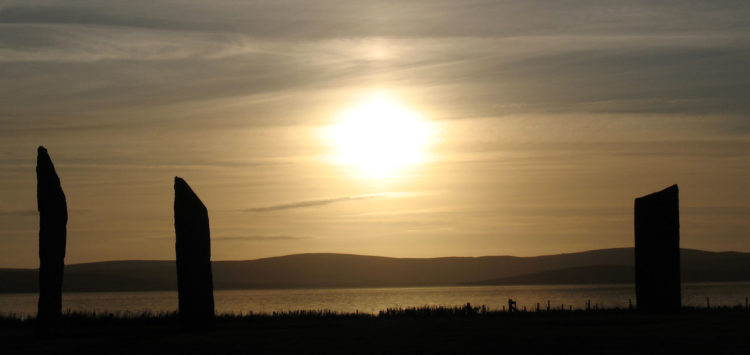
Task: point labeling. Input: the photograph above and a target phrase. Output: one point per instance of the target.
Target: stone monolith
(657, 251)
(53, 218)
(193, 249)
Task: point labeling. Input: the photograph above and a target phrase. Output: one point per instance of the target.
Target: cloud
(163, 77)
(19, 213)
(258, 64)
(329, 18)
(216, 238)
(738, 211)
(311, 203)
(259, 238)
(323, 202)
(86, 43)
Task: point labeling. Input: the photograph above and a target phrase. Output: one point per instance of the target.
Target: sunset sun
(379, 136)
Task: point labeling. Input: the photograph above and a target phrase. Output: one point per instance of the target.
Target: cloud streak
(312, 203)
(259, 238)
(19, 213)
(328, 201)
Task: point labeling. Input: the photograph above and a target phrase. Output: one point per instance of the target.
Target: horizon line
(376, 256)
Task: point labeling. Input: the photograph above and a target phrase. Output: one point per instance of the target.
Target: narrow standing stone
(657, 251)
(193, 249)
(53, 218)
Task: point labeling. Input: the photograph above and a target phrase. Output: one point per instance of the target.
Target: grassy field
(416, 330)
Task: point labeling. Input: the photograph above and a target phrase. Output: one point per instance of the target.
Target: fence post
(512, 305)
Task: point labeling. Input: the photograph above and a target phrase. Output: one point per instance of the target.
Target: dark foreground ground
(410, 331)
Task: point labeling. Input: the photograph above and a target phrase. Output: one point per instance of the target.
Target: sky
(393, 128)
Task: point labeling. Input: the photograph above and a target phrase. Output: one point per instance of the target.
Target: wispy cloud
(98, 60)
(328, 201)
(259, 238)
(311, 203)
(220, 238)
(18, 213)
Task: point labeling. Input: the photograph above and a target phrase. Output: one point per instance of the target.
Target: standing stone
(53, 218)
(193, 247)
(657, 251)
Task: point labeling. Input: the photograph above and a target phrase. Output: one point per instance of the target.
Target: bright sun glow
(379, 137)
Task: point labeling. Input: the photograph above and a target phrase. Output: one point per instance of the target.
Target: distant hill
(593, 274)
(609, 274)
(344, 270)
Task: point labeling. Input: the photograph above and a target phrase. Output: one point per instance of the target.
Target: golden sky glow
(406, 129)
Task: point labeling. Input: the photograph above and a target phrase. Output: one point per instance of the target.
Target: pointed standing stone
(193, 248)
(657, 251)
(53, 218)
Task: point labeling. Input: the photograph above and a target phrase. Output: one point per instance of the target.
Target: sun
(379, 137)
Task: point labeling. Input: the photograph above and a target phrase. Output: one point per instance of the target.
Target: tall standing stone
(193, 248)
(53, 218)
(657, 251)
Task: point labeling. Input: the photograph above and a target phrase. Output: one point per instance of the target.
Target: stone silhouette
(193, 249)
(53, 218)
(657, 251)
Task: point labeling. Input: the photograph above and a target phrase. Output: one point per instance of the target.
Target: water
(372, 300)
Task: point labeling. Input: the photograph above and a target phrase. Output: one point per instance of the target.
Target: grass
(465, 329)
(70, 318)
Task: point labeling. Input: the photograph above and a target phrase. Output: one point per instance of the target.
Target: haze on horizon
(521, 127)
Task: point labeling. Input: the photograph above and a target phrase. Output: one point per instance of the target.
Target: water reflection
(371, 300)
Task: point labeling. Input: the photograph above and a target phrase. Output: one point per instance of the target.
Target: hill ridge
(326, 270)
(729, 252)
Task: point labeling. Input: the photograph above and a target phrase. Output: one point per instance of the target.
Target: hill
(345, 270)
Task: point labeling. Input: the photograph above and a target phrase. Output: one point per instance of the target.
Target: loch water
(372, 300)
